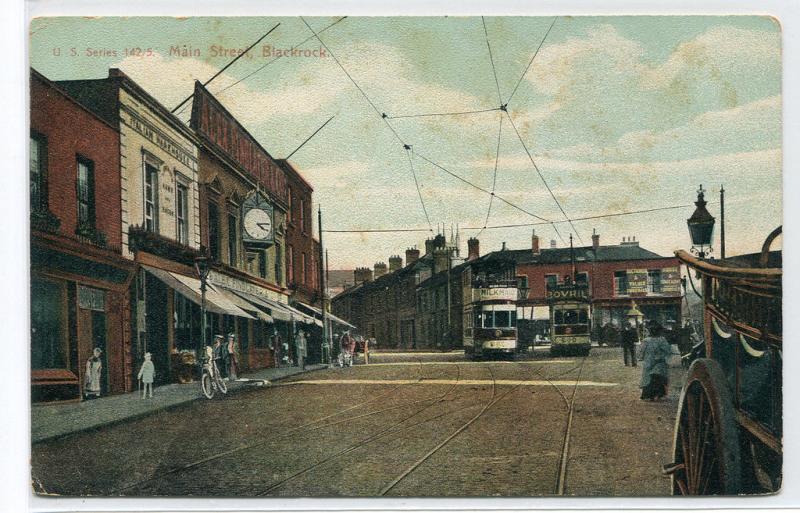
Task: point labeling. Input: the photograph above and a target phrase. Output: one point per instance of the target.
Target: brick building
(302, 249)
(79, 278)
(159, 219)
(238, 175)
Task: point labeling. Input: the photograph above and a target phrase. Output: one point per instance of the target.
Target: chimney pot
(412, 255)
(553, 244)
(595, 240)
(535, 243)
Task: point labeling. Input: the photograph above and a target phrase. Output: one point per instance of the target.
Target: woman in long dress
(654, 353)
(94, 370)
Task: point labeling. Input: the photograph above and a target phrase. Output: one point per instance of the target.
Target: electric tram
(490, 311)
(570, 319)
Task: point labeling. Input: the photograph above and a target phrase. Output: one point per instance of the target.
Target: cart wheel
(706, 447)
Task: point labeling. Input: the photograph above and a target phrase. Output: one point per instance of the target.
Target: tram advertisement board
(495, 293)
(566, 292)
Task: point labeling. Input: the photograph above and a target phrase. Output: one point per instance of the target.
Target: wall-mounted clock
(257, 221)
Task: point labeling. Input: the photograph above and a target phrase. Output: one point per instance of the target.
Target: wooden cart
(728, 430)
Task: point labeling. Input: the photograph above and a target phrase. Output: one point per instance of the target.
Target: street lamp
(522, 290)
(634, 316)
(202, 267)
(701, 226)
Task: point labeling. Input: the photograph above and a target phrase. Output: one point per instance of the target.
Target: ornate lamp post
(202, 267)
(701, 226)
(635, 316)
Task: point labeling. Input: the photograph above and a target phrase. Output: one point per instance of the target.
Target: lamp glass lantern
(701, 226)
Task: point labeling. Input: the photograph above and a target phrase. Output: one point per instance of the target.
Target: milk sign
(501, 293)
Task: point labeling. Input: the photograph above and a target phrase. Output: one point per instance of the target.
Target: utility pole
(722, 221)
(326, 349)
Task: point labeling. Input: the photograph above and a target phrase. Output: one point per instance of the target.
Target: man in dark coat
(629, 339)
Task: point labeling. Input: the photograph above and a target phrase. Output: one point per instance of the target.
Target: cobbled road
(408, 424)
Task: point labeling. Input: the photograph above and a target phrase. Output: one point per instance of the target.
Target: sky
(618, 113)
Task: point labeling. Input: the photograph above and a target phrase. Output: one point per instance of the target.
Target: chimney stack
(504, 246)
(595, 240)
(440, 258)
(395, 263)
(535, 243)
(412, 255)
(380, 269)
(362, 275)
(428, 246)
(553, 244)
(474, 248)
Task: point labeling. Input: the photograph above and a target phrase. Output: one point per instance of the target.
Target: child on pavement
(146, 375)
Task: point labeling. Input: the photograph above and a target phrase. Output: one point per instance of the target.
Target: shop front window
(48, 325)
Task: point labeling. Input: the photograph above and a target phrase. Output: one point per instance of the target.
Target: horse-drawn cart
(728, 431)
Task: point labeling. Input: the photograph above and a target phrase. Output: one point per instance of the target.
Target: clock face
(258, 224)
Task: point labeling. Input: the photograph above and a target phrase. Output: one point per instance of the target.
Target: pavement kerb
(168, 407)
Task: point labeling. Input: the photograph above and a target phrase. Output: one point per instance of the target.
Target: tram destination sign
(566, 292)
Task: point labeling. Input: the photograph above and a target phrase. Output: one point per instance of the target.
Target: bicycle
(211, 380)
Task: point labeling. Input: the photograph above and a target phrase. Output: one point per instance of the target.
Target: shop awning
(279, 311)
(245, 305)
(318, 313)
(190, 288)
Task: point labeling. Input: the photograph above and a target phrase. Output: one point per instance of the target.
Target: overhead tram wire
(541, 176)
(429, 161)
(531, 61)
(221, 91)
(416, 183)
(218, 73)
(494, 177)
(430, 114)
(278, 57)
(491, 60)
(369, 100)
(384, 117)
(523, 225)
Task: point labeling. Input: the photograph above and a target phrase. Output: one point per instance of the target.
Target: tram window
(502, 319)
(571, 317)
(559, 317)
(583, 317)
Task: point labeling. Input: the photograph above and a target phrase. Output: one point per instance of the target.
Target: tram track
(375, 436)
(561, 474)
(306, 427)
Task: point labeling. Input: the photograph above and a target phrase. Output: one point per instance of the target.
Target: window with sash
(620, 283)
(182, 212)
(151, 197)
(86, 200)
(38, 172)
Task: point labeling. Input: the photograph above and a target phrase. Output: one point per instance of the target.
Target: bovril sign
(567, 293)
(494, 293)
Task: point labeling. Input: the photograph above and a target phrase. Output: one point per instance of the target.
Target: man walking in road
(629, 338)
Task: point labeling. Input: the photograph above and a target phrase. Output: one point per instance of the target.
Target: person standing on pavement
(225, 358)
(654, 354)
(629, 338)
(233, 358)
(301, 348)
(276, 344)
(94, 372)
(147, 374)
(216, 353)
